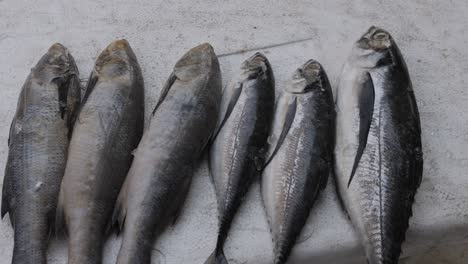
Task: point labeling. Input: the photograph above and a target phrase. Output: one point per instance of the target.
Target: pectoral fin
(5, 198)
(165, 90)
(60, 227)
(12, 125)
(281, 130)
(366, 112)
(93, 79)
(234, 96)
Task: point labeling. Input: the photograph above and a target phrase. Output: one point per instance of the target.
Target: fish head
(56, 63)
(196, 62)
(310, 77)
(257, 66)
(374, 48)
(115, 60)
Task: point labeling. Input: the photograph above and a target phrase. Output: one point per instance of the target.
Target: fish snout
(58, 55)
(375, 39)
(117, 45)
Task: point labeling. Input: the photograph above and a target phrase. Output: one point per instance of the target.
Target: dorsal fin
(279, 133)
(366, 111)
(170, 81)
(234, 96)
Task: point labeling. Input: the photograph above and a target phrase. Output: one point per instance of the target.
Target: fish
(108, 128)
(159, 179)
(38, 143)
(299, 157)
(378, 153)
(237, 150)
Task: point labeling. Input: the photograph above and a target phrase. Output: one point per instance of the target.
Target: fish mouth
(376, 39)
(199, 52)
(256, 65)
(258, 57)
(307, 77)
(59, 49)
(116, 45)
(196, 61)
(196, 55)
(117, 52)
(309, 73)
(59, 57)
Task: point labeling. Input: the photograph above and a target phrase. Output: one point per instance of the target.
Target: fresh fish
(38, 142)
(158, 181)
(378, 145)
(243, 127)
(299, 158)
(108, 129)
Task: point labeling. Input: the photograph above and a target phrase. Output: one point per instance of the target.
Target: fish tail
(282, 250)
(135, 251)
(85, 248)
(217, 257)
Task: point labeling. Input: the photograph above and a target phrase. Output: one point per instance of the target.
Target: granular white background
(432, 35)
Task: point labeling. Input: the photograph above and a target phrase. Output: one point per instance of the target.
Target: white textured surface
(433, 37)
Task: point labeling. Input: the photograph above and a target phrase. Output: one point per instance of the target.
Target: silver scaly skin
(38, 142)
(378, 156)
(158, 181)
(299, 158)
(240, 139)
(108, 128)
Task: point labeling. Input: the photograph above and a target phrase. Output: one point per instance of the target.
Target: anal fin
(120, 210)
(285, 121)
(165, 90)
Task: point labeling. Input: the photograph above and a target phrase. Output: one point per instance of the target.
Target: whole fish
(158, 181)
(243, 127)
(38, 142)
(108, 129)
(300, 155)
(378, 145)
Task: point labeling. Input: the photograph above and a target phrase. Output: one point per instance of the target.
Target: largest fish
(238, 147)
(108, 128)
(378, 145)
(299, 157)
(38, 142)
(181, 124)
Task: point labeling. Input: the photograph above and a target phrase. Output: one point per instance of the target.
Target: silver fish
(108, 129)
(378, 145)
(299, 158)
(38, 142)
(158, 181)
(243, 127)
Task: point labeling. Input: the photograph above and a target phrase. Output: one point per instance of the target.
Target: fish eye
(380, 36)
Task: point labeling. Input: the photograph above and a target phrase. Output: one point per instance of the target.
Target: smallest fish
(240, 139)
(299, 158)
